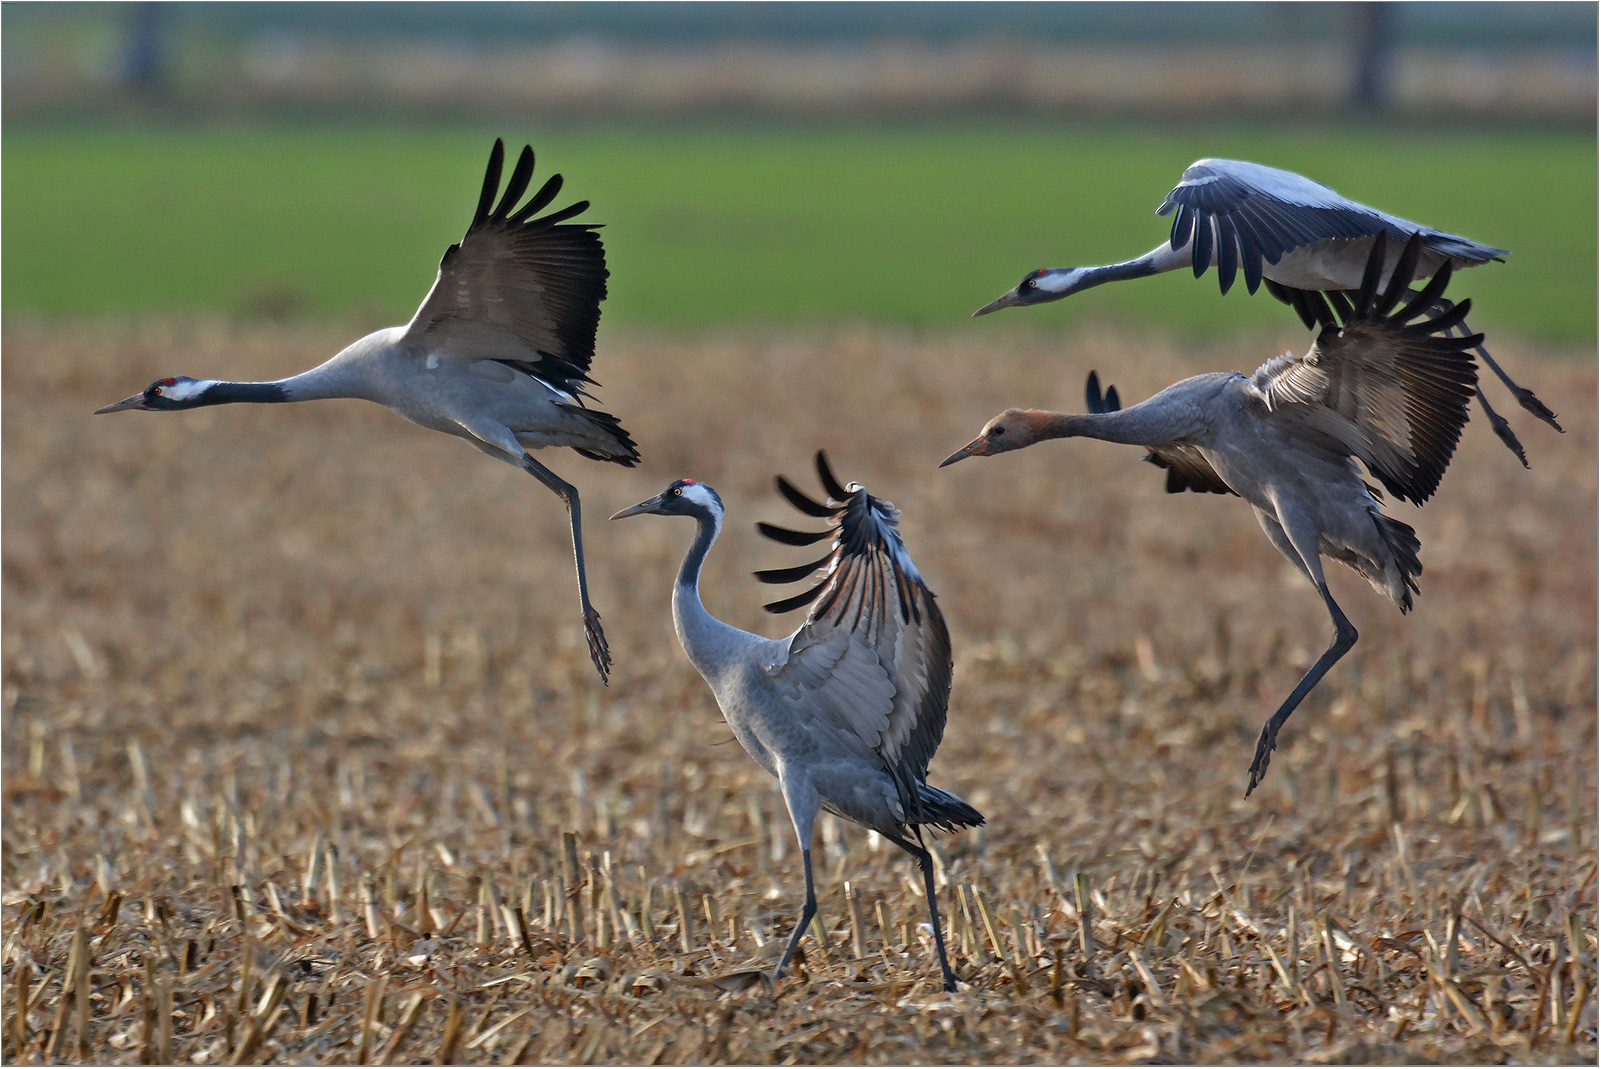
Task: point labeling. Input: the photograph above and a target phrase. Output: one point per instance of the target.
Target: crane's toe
(599, 652)
(1537, 408)
(1503, 431)
(1264, 754)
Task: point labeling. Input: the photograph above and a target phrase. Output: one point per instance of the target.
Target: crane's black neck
(707, 527)
(254, 393)
(1062, 282)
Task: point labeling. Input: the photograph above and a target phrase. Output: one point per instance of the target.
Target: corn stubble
(304, 760)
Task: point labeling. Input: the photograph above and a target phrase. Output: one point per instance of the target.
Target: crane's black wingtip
(825, 472)
(801, 501)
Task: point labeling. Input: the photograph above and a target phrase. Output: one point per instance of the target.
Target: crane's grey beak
(641, 509)
(136, 401)
(1006, 300)
(978, 447)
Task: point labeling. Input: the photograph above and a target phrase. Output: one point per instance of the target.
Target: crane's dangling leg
(1502, 429)
(598, 650)
(1526, 398)
(1345, 637)
(800, 798)
(926, 862)
(1300, 549)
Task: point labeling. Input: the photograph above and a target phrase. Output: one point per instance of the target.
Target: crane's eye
(1028, 283)
(678, 492)
(997, 431)
(155, 389)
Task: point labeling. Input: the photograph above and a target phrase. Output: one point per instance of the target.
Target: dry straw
(304, 760)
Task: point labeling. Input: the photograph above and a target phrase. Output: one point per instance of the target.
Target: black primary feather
(791, 575)
(826, 475)
(497, 160)
(792, 538)
(793, 495)
(518, 183)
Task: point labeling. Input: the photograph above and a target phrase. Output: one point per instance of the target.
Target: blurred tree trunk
(143, 69)
(1371, 47)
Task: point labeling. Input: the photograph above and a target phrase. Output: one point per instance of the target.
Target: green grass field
(710, 225)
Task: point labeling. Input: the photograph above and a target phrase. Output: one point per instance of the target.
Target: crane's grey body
(846, 711)
(477, 397)
(1377, 389)
(498, 353)
(1306, 241)
(1289, 463)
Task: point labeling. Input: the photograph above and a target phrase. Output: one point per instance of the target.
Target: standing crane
(498, 353)
(1378, 388)
(1308, 243)
(848, 710)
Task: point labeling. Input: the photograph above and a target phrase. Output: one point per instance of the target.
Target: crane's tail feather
(943, 810)
(1402, 542)
(624, 451)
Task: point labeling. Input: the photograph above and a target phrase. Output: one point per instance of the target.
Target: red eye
(155, 389)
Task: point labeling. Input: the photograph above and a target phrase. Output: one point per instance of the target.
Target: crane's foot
(598, 650)
(950, 981)
(1536, 407)
(1503, 431)
(1264, 753)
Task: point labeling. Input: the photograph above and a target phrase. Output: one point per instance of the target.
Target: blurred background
(319, 625)
(773, 163)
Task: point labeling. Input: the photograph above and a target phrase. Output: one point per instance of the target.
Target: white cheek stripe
(182, 391)
(1056, 283)
(698, 493)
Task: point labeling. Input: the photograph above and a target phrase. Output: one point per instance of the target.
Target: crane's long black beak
(136, 401)
(641, 509)
(1005, 300)
(978, 447)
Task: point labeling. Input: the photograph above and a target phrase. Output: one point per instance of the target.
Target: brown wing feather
(1187, 469)
(1393, 392)
(873, 593)
(525, 291)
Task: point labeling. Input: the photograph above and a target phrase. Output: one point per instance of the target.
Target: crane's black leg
(1502, 429)
(1526, 398)
(1345, 637)
(926, 862)
(598, 651)
(807, 913)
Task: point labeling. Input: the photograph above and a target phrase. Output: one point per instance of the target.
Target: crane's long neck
(358, 371)
(1062, 282)
(701, 634)
(1146, 423)
(325, 381)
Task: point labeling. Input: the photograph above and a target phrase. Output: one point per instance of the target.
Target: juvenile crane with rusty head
(1377, 388)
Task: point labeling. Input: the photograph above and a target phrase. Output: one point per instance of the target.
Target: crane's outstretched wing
(1250, 213)
(522, 290)
(1393, 392)
(1187, 468)
(873, 658)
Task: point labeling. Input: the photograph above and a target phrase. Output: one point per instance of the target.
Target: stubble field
(305, 761)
